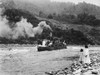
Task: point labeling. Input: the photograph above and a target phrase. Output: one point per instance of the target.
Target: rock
(77, 72)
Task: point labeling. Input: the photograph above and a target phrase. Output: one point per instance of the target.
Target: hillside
(60, 31)
(71, 33)
(45, 6)
(84, 7)
(59, 8)
(75, 33)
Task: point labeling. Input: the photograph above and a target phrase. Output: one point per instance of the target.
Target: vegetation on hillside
(82, 18)
(72, 14)
(15, 15)
(70, 36)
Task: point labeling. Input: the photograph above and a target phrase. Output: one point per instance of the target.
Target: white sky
(96, 2)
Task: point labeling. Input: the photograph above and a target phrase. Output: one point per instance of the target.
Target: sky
(96, 2)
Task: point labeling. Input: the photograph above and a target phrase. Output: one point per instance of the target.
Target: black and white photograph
(49, 37)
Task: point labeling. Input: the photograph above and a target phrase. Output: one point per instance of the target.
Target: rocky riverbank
(77, 68)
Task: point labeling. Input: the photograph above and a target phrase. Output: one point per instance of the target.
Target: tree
(8, 3)
(50, 16)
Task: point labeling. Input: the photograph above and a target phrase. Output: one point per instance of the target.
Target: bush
(50, 16)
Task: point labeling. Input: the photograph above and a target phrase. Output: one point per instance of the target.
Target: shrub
(50, 16)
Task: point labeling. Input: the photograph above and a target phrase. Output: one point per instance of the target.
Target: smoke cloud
(20, 29)
(23, 29)
(4, 28)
